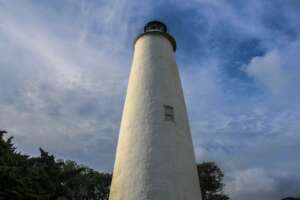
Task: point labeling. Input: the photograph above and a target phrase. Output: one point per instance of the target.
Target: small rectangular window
(169, 113)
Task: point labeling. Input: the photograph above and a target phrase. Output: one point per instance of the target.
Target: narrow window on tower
(169, 113)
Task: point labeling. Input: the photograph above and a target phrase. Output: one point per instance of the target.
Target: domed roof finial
(155, 26)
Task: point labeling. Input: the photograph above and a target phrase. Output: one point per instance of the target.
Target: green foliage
(44, 178)
(210, 177)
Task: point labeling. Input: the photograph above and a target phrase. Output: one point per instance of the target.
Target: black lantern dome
(155, 26)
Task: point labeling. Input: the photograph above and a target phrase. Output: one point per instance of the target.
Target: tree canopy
(210, 177)
(45, 178)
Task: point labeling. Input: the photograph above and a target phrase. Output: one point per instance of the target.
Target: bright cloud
(278, 70)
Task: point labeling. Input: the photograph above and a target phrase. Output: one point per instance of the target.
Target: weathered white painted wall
(155, 158)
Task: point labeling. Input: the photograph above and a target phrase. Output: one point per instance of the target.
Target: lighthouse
(155, 157)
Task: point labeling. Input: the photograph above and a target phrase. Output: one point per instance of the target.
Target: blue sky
(64, 67)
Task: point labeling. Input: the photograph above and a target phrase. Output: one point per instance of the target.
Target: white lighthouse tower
(155, 157)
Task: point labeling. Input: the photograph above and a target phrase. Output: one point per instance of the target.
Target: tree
(86, 183)
(210, 177)
(11, 185)
(45, 178)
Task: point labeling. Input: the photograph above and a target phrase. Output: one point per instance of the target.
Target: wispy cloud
(63, 81)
